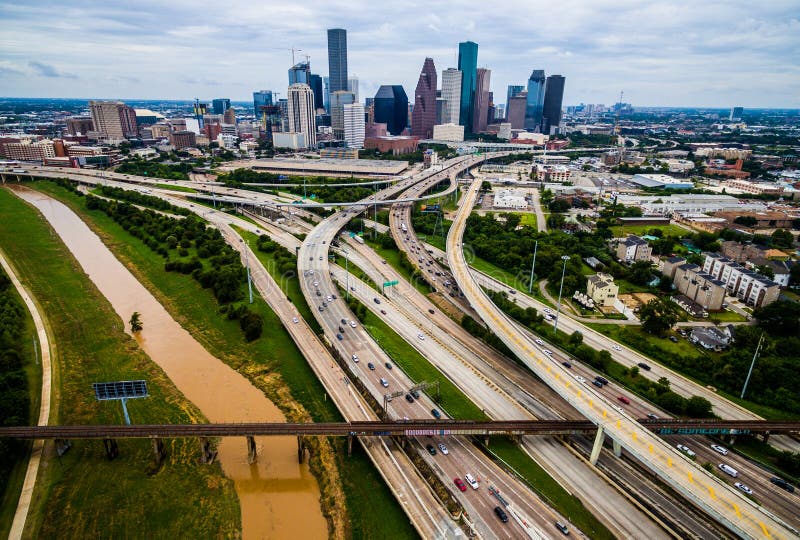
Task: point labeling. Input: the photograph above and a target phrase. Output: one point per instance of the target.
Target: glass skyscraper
(337, 59)
(533, 108)
(391, 108)
(468, 66)
(261, 99)
(220, 105)
(300, 73)
(553, 96)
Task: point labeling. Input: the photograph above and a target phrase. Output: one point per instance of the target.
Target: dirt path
(21, 515)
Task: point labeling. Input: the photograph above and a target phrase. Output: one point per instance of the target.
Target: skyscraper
(391, 108)
(516, 110)
(326, 93)
(354, 125)
(480, 107)
(533, 110)
(553, 96)
(339, 99)
(736, 114)
(300, 100)
(424, 116)
(113, 119)
(337, 59)
(220, 105)
(352, 86)
(316, 86)
(468, 65)
(513, 90)
(451, 92)
(261, 99)
(300, 73)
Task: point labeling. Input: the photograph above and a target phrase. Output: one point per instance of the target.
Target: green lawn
(74, 497)
(393, 257)
(726, 316)
(621, 231)
(173, 187)
(528, 218)
(272, 363)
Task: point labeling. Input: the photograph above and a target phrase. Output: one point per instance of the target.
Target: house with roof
(632, 249)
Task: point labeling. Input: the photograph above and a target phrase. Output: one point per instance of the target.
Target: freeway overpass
(410, 428)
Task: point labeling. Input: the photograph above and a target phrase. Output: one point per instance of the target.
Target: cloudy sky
(678, 53)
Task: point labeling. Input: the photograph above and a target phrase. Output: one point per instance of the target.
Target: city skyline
(686, 57)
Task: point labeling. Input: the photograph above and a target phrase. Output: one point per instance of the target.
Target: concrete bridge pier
(207, 454)
(350, 444)
(159, 450)
(301, 449)
(617, 448)
(112, 448)
(251, 449)
(486, 441)
(765, 436)
(598, 445)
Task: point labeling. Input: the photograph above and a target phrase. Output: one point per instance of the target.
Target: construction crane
(289, 49)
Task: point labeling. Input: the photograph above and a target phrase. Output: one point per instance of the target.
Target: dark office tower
(513, 90)
(300, 73)
(391, 108)
(480, 108)
(337, 59)
(424, 116)
(515, 110)
(468, 65)
(553, 96)
(260, 100)
(220, 105)
(533, 110)
(316, 85)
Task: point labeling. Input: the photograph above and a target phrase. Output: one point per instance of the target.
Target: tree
(640, 272)
(136, 322)
(576, 338)
(747, 221)
(658, 316)
(559, 205)
(781, 318)
(698, 407)
(486, 186)
(765, 270)
(782, 238)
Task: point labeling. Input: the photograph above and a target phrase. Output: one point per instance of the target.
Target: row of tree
(153, 169)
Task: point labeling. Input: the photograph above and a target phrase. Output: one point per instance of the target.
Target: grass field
(33, 374)
(528, 218)
(74, 497)
(668, 230)
(393, 257)
(260, 361)
(173, 187)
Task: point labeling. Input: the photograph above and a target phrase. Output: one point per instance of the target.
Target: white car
(616, 347)
(355, 358)
(295, 320)
(548, 352)
(685, 450)
(618, 408)
(719, 449)
(471, 481)
(421, 337)
(443, 449)
(580, 379)
(352, 324)
(539, 341)
(743, 487)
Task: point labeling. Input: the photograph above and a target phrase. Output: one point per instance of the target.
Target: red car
(624, 400)
(460, 484)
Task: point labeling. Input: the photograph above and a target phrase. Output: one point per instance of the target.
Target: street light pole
(533, 266)
(346, 275)
(752, 364)
(247, 266)
(564, 258)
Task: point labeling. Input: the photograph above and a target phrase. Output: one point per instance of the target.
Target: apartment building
(750, 287)
(602, 289)
(695, 283)
(632, 249)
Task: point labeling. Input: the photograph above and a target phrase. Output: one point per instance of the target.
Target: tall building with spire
(535, 103)
(423, 117)
(451, 93)
(337, 59)
(468, 65)
(480, 107)
(301, 112)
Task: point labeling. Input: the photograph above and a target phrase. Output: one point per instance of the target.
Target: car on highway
(295, 320)
(409, 398)
(431, 450)
(384, 383)
(421, 337)
(431, 311)
(460, 484)
(344, 321)
(443, 449)
(783, 484)
(548, 352)
(341, 330)
(339, 337)
(616, 347)
(352, 324)
(436, 414)
(624, 400)
(601, 380)
(566, 365)
(719, 449)
(644, 366)
(371, 366)
(376, 300)
(597, 383)
(501, 514)
(743, 487)
(539, 341)
(580, 379)
(563, 528)
(383, 312)
(652, 416)
(355, 358)
(685, 449)
(388, 365)
(471, 481)
(618, 408)
(320, 258)
(321, 308)
(727, 469)
(414, 393)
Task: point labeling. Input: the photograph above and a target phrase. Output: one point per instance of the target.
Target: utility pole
(533, 266)
(752, 364)
(247, 266)
(564, 258)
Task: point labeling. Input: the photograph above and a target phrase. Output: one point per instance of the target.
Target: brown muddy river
(279, 498)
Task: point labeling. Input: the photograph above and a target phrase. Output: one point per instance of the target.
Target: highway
(724, 503)
(463, 457)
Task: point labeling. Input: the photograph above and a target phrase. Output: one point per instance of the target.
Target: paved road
(724, 503)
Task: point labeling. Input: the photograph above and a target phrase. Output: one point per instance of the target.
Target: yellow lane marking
(711, 492)
(736, 509)
(764, 529)
(650, 447)
(669, 461)
(605, 413)
(689, 474)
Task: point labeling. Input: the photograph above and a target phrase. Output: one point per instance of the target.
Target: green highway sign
(390, 283)
(352, 234)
